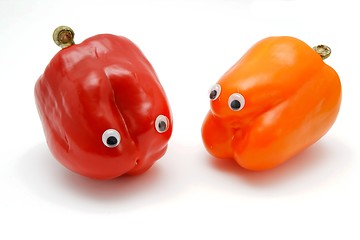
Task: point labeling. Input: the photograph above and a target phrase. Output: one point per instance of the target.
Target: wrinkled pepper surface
(103, 110)
(277, 100)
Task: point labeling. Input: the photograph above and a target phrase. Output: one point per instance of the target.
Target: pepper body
(104, 83)
(290, 98)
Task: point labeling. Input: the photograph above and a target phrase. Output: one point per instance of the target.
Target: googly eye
(161, 124)
(111, 138)
(236, 102)
(214, 92)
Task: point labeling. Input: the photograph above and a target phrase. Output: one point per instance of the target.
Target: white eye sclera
(214, 92)
(236, 102)
(161, 124)
(111, 138)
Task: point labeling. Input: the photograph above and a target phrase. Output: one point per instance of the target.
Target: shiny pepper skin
(277, 100)
(103, 110)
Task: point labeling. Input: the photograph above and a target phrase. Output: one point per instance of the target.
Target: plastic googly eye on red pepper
(103, 110)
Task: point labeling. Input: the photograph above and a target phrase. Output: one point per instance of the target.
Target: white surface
(187, 194)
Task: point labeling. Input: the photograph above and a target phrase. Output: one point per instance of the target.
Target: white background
(187, 194)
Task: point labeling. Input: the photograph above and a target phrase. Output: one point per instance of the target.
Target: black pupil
(162, 126)
(235, 105)
(213, 94)
(111, 140)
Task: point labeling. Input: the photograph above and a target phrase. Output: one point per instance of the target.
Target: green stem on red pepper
(63, 36)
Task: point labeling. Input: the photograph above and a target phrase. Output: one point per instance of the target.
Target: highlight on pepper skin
(277, 100)
(102, 107)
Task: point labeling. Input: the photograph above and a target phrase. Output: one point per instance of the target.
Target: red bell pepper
(103, 110)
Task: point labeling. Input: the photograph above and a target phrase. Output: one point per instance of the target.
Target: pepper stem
(323, 50)
(63, 36)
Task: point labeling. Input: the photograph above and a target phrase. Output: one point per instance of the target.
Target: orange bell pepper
(277, 100)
